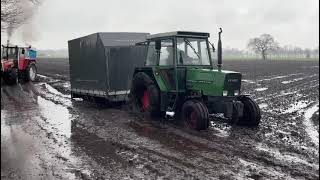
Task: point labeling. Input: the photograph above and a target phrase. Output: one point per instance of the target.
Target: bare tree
(14, 13)
(11, 14)
(263, 45)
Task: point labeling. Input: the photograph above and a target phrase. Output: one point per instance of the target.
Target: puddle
(66, 85)
(52, 90)
(279, 77)
(53, 94)
(43, 76)
(261, 89)
(253, 171)
(56, 115)
(284, 93)
(296, 106)
(269, 79)
(312, 132)
(221, 131)
(248, 81)
(291, 81)
(263, 105)
(285, 157)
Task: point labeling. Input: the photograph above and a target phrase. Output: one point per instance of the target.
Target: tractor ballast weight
(179, 77)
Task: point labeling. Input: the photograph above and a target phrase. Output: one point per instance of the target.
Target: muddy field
(46, 135)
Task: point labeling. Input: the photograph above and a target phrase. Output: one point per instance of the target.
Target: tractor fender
(25, 63)
(154, 75)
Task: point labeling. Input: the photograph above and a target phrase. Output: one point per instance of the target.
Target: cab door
(161, 53)
(166, 65)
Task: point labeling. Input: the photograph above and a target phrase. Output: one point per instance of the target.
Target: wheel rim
(193, 120)
(32, 73)
(146, 100)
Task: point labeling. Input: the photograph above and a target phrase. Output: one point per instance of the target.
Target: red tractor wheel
(144, 95)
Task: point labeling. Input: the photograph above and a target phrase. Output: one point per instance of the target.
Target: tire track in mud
(299, 94)
(263, 159)
(47, 135)
(144, 149)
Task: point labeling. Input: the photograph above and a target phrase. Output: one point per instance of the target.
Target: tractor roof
(14, 46)
(179, 33)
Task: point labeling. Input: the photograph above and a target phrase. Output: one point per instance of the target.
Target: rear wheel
(251, 112)
(10, 77)
(31, 73)
(195, 114)
(144, 95)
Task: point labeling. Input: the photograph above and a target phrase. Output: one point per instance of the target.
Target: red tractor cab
(18, 63)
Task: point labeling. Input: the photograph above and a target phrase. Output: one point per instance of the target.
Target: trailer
(102, 64)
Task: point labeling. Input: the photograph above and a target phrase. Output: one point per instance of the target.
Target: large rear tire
(145, 95)
(10, 78)
(31, 73)
(251, 112)
(195, 114)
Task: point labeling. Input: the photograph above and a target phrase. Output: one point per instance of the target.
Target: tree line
(282, 52)
(268, 48)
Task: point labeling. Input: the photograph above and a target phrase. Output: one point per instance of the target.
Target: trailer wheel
(145, 95)
(195, 114)
(31, 73)
(251, 112)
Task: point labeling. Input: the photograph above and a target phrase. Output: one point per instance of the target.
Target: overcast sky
(294, 22)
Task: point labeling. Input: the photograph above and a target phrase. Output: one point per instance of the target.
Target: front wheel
(31, 73)
(195, 114)
(251, 112)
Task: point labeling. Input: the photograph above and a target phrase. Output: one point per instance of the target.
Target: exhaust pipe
(219, 51)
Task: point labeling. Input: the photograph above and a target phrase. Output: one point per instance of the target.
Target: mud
(46, 135)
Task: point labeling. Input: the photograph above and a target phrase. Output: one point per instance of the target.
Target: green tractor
(179, 79)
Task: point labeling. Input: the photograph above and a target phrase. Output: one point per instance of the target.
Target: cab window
(152, 54)
(166, 53)
(160, 51)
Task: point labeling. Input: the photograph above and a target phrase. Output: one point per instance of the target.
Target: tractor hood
(212, 82)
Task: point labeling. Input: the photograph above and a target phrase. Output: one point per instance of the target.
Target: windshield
(192, 51)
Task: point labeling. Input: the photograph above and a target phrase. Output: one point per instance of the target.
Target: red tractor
(18, 63)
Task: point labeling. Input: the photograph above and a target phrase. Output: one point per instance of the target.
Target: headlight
(236, 92)
(224, 93)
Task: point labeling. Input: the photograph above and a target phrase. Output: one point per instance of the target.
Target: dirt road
(46, 135)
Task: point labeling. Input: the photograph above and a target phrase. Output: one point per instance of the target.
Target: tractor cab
(185, 62)
(180, 49)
